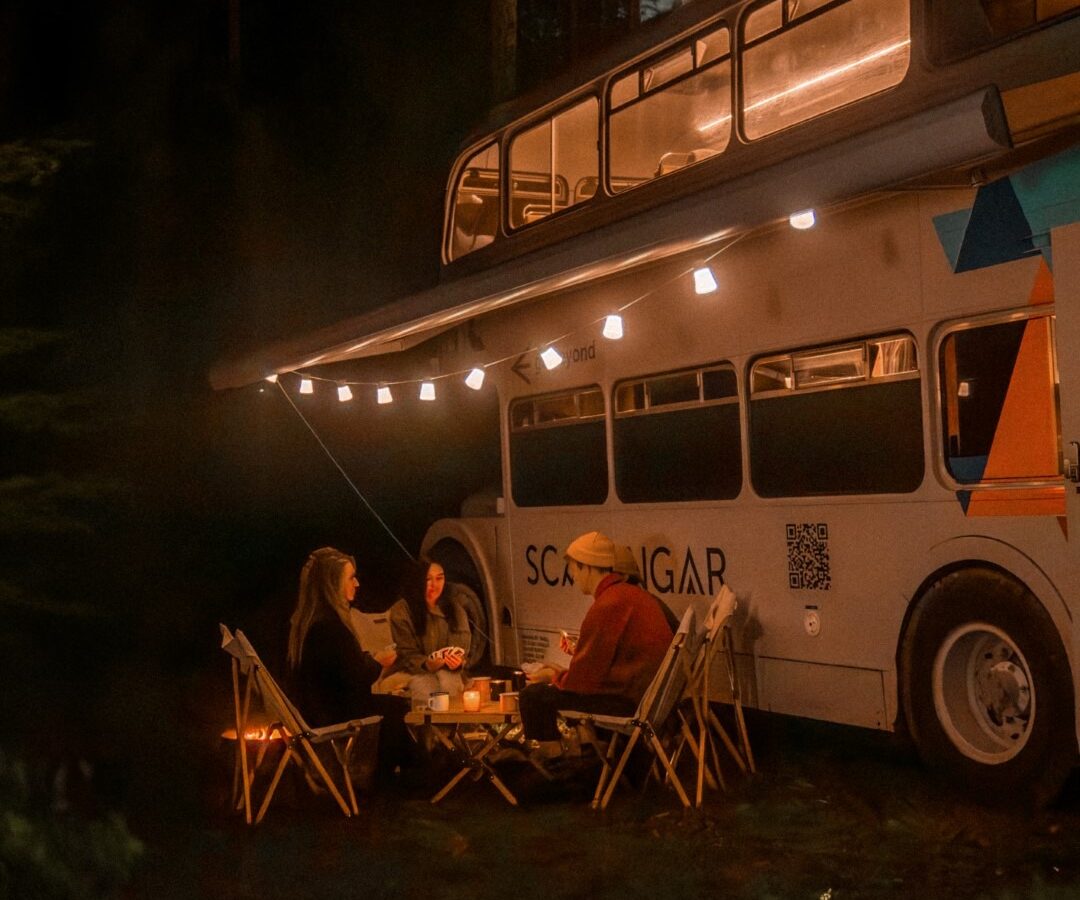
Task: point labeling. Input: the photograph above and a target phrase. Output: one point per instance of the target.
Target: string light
(613, 329)
(704, 281)
(551, 358)
(802, 219)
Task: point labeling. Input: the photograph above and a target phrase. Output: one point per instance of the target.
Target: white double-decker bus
(867, 425)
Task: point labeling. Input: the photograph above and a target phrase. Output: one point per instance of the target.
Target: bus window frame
(937, 410)
(457, 174)
(507, 136)
(551, 395)
(787, 24)
(638, 68)
(649, 410)
(939, 56)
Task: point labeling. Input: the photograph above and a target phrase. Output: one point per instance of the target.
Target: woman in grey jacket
(431, 631)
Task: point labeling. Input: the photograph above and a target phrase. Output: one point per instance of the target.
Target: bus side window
(558, 449)
(677, 437)
(811, 64)
(475, 203)
(999, 402)
(845, 419)
(965, 26)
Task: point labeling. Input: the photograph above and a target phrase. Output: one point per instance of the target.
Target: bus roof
(955, 133)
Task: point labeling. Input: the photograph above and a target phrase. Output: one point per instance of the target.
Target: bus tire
(988, 693)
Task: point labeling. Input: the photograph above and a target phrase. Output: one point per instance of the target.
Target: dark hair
(413, 590)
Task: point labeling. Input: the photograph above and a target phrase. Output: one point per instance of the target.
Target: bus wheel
(988, 694)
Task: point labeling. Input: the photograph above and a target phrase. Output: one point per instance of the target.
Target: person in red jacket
(622, 642)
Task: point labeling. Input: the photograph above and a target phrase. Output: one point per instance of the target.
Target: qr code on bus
(808, 556)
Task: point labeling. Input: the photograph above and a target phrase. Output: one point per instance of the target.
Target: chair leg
(726, 739)
(617, 774)
(658, 749)
(344, 757)
(286, 753)
(744, 736)
(606, 769)
(241, 742)
(324, 775)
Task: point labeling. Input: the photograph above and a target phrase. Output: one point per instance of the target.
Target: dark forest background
(178, 181)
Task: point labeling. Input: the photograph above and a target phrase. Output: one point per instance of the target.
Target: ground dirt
(832, 813)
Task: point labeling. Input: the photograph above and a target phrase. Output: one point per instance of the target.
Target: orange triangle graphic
(1042, 291)
(1026, 440)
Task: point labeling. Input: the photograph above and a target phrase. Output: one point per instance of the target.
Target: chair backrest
(720, 611)
(670, 679)
(277, 704)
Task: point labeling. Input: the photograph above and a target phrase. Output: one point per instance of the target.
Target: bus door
(1066, 254)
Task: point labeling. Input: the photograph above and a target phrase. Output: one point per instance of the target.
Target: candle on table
(471, 700)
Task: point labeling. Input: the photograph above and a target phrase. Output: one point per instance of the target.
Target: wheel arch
(990, 555)
(981, 552)
(479, 547)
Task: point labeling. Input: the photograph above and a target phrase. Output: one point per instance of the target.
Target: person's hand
(386, 657)
(433, 663)
(567, 644)
(543, 675)
(453, 662)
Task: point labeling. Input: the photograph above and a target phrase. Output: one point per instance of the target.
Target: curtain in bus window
(816, 64)
(680, 124)
(547, 160)
(476, 203)
(864, 439)
(559, 465)
(999, 403)
(687, 454)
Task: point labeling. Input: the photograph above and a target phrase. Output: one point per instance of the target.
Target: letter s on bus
(530, 552)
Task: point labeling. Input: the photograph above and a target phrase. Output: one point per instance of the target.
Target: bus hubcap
(983, 693)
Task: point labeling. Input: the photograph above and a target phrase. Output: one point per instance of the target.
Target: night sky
(163, 206)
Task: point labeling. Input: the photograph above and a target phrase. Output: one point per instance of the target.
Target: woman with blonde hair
(331, 675)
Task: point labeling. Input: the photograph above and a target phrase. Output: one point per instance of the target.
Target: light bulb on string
(475, 378)
(551, 357)
(306, 386)
(344, 394)
(272, 378)
(613, 329)
(383, 395)
(802, 219)
(704, 281)
(427, 390)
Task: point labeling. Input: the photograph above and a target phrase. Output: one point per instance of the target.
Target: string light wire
(460, 373)
(345, 475)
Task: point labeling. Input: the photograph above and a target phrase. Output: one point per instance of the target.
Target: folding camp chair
(646, 724)
(708, 726)
(297, 738)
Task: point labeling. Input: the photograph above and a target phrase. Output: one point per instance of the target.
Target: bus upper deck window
(547, 158)
(830, 367)
(681, 115)
(820, 57)
(476, 203)
(965, 26)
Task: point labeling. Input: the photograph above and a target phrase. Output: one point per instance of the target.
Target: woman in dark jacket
(331, 675)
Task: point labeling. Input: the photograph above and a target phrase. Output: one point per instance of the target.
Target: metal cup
(508, 702)
(519, 679)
